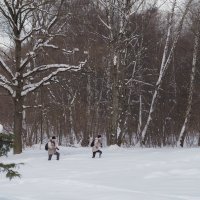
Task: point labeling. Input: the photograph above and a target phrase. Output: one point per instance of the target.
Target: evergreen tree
(6, 142)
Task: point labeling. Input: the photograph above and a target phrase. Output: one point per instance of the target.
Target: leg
(50, 156)
(100, 152)
(94, 153)
(58, 155)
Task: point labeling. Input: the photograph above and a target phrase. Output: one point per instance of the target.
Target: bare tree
(166, 60)
(33, 26)
(196, 25)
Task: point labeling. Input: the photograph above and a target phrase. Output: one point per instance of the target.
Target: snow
(1, 128)
(139, 174)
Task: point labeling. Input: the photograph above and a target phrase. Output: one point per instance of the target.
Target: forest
(125, 69)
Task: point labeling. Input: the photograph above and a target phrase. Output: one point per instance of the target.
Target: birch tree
(34, 24)
(196, 25)
(166, 60)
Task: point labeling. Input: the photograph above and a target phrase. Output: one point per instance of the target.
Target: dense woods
(124, 69)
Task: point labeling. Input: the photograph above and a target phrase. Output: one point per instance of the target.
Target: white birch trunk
(166, 60)
(161, 74)
(191, 90)
(140, 117)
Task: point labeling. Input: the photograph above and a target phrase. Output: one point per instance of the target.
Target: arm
(56, 145)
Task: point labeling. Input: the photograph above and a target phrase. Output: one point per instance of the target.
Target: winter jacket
(97, 144)
(52, 145)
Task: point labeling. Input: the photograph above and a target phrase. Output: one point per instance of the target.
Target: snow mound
(114, 147)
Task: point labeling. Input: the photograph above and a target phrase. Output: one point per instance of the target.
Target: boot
(58, 155)
(100, 154)
(94, 153)
(50, 156)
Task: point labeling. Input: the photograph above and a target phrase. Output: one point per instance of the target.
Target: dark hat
(53, 137)
(99, 136)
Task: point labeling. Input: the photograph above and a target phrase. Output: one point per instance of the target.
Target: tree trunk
(72, 135)
(18, 119)
(18, 100)
(115, 100)
(122, 129)
(139, 118)
(166, 60)
(199, 140)
(87, 131)
(191, 90)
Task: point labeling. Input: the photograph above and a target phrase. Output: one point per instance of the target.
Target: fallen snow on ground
(121, 174)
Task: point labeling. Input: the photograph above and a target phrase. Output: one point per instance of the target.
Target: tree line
(125, 69)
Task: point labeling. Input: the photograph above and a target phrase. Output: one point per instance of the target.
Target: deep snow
(121, 174)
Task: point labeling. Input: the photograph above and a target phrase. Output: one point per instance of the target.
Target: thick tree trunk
(87, 132)
(115, 100)
(18, 100)
(18, 119)
(122, 128)
(71, 124)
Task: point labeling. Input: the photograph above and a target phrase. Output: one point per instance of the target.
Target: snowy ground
(121, 174)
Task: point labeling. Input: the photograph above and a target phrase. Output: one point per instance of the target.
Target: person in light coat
(52, 148)
(97, 146)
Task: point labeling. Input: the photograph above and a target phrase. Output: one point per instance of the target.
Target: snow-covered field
(121, 174)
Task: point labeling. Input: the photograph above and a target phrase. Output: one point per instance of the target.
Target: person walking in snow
(96, 145)
(52, 148)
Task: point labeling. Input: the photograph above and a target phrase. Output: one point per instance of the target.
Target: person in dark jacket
(97, 146)
(52, 148)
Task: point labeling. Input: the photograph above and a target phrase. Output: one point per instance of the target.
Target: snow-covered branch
(27, 107)
(5, 68)
(47, 45)
(30, 56)
(60, 68)
(8, 88)
(30, 33)
(49, 67)
(4, 80)
(53, 21)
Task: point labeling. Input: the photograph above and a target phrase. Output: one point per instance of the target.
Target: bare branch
(104, 23)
